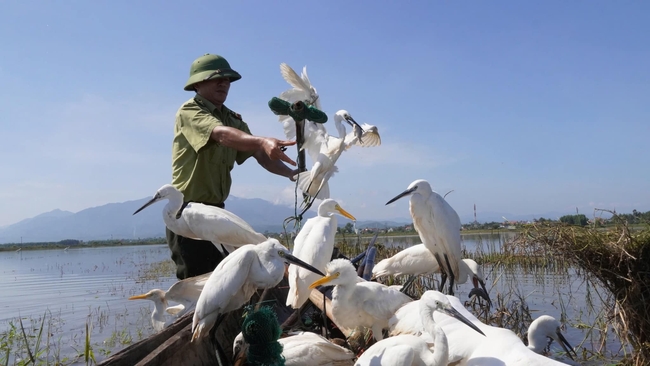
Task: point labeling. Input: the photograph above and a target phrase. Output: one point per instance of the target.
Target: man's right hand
(274, 149)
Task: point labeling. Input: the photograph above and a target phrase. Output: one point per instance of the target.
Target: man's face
(214, 90)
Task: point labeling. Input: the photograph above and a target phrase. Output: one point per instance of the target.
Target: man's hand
(293, 174)
(274, 149)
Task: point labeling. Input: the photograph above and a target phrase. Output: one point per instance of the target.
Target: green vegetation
(72, 243)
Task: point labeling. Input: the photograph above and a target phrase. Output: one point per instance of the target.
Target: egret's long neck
(338, 123)
(159, 310)
(342, 291)
(536, 341)
(174, 205)
(464, 271)
(440, 345)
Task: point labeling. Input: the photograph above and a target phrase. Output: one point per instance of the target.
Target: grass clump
(619, 260)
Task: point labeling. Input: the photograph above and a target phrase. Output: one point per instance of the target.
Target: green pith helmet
(208, 67)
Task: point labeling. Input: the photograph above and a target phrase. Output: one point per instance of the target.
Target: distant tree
(578, 220)
(348, 228)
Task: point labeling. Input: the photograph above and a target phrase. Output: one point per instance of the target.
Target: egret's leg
(408, 283)
(377, 332)
(326, 335)
(451, 276)
(221, 355)
(224, 251)
(443, 272)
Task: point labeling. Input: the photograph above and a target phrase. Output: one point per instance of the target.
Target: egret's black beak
(405, 193)
(455, 314)
(476, 291)
(151, 201)
(484, 294)
(353, 123)
(289, 258)
(565, 344)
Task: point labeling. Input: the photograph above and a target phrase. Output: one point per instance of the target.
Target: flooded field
(66, 289)
(73, 287)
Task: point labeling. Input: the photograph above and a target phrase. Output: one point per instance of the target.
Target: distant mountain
(116, 221)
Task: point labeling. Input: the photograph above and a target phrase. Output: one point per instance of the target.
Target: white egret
(238, 277)
(542, 329)
(438, 225)
(325, 150)
(417, 260)
(356, 302)
(307, 348)
(185, 292)
(158, 319)
(504, 347)
(204, 222)
(302, 90)
(314, 245)
(499, 347)
(369, 137)
(410, 350)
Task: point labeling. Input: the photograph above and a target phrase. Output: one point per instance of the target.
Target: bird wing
(414, 260)
(406, 320)
(187, 290)
(224, 290)
(384, 300)
(301, 249)
(220, 226)
(310, 348)
(293, 79)
(370, 136)
(447, 230)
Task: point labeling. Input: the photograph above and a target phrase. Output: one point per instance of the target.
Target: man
(208, 139)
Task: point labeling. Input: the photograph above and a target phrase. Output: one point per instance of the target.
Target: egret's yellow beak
(345, 213)
(138, 297)
(323, 281)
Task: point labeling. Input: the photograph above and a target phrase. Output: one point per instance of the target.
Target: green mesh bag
(261, 330)
(282, 107)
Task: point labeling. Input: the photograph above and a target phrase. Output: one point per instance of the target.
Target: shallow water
(93, 284)
(78, 285)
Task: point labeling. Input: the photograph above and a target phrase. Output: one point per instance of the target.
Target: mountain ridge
(116, 221)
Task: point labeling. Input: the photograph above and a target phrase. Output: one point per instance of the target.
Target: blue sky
(518, 107)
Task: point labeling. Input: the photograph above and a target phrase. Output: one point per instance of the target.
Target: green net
(261, 330)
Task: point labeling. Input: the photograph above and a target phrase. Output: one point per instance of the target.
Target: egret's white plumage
(314, 244)
(158, 319)
(369, 137)
(325, 150)
(185, 292)
(410, 350)
(204, 222)
(437, 224)
(542, 329)
(302, 90)
(315, 182)
(237, 278)
(417, 260)
(360, 303)
(499, 346)
(307, 348)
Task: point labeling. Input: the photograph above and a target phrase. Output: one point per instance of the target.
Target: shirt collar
(211, 107)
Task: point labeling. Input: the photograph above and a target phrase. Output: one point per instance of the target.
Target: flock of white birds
(434, 330)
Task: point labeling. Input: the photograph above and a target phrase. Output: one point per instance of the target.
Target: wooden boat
(172, 346)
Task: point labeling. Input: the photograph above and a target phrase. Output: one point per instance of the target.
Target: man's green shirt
(200, 166)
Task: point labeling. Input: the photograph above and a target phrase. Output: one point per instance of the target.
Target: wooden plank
(135, 352)
(316, 297)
